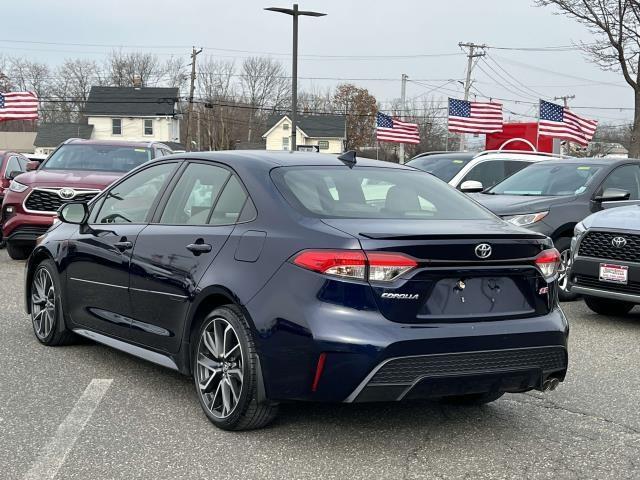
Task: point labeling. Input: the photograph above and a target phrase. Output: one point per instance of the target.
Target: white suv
(475, 172)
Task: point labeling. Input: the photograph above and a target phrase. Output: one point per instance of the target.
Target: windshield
(110, 158)
(445, 168)
(373, 192)
(548, 179)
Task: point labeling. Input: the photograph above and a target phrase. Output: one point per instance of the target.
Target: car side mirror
(76, 213)
(13, 174)
(471, 186)
(32, 165)
(613, 195)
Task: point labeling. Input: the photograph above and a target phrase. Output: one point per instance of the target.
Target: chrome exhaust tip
(550, 384)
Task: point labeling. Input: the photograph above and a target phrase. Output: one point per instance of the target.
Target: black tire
(473, 398)
(57, 334)
(18, 252)
(248, 413)
(3, 244)
(563, 244)
(606, 306)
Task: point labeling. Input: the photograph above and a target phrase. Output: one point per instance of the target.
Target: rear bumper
(425, 376)
(294, 328)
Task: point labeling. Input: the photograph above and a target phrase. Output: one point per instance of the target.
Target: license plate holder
(614, 273)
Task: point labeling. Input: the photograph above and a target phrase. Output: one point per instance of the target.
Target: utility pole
(194, 53)
(467, 83)
(565, 99)
(403, 106)
(295, 13)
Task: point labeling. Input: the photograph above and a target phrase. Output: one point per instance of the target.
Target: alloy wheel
(219, 368)
(565, 263)
(43, 303)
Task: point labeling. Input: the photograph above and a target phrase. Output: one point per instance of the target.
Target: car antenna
(348, 158)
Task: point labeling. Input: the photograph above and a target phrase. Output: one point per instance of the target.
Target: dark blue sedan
(275, 276)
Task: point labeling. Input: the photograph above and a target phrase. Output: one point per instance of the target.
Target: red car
(11, 165)
(76, 170)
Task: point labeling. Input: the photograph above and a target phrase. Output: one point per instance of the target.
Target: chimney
(137, 82)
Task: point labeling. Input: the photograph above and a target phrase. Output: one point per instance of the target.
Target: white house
(324, 133)
(133, 113)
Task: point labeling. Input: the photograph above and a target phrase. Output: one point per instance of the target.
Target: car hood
(504, 205)
(619, 218)
(68, 178)
(406, 229)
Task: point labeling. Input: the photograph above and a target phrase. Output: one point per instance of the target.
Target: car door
(624, 177)
(100, 253)
(172, 254)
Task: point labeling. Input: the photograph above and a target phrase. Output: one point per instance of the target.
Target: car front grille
(632, 288)
(49, 200)
(599, 245)
(408, 370)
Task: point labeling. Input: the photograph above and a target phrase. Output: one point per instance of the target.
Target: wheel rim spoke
(219, 368)
(43, 303)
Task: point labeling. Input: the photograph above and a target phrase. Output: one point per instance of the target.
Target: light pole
(295, 13)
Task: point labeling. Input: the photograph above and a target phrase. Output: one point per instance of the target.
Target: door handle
(199, 247)
(123, 245)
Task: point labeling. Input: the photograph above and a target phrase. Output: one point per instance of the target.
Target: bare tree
(616, 25)
(316, 101)
(360, 108)
(265, 87)
(70, 89)
(123, 67)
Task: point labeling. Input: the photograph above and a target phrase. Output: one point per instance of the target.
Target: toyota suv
(77, 170)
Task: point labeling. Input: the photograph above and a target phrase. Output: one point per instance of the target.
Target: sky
(372, 42)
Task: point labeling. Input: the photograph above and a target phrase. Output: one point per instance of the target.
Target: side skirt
(149, 355)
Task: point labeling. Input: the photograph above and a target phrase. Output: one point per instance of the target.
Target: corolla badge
(400, 296)
(619, 242)
(66, 193)
(483, 250)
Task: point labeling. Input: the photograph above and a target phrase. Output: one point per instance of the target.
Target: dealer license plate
(613, 273)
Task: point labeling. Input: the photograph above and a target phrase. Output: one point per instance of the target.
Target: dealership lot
(147, 422)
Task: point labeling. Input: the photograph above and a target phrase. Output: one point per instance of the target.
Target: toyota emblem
(619, 242)
(67, 193)
(483, 250)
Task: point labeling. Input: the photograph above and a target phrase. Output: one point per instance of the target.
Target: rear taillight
(373, 266)
(548, 261)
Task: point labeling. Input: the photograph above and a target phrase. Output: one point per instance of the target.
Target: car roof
(445, 155)
(123, 143)
(271, 159)
(591, 161)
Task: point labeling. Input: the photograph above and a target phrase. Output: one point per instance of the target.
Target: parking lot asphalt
(148, 423)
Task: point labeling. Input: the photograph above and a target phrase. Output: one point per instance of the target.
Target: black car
(551, 197)
(272, 276)
(606, 260)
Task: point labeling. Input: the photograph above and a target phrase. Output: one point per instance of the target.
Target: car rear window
(373, 192)
(109, 158)
(443, 167)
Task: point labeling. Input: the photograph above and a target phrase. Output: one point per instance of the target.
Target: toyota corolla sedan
(273, 276)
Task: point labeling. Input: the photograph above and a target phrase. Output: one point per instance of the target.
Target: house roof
(130, 101)
(316, 126)
(53, 134)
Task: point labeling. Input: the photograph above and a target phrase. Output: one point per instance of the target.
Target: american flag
(474, 117)
(393, 130)
(560, 122)
(18, 106)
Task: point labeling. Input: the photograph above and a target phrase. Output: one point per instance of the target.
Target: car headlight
(579, 229)
(17, 187)
(526, 219)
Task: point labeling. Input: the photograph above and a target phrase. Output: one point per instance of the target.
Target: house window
(116, 126)
(285, 126)
(323, 144)
(285, 143)
(148, 126)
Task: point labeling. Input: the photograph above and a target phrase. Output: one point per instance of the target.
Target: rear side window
(194, 195)
(373, 192)
(230, 203)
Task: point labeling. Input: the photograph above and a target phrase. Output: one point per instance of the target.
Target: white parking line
(55, 451)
